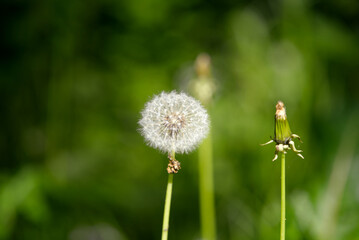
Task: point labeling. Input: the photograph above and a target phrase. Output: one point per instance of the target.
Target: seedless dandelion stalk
(282, 204)
(283, 139)
(173, 123)
(206, 189)
(203, 88)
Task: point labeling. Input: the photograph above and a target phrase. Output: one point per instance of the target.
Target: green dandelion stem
(206, 192)
(166, 214)
(282, 209)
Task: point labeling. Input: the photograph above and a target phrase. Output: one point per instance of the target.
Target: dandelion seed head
(174, 122)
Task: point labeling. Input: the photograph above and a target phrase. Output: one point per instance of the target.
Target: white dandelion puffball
(174, 122)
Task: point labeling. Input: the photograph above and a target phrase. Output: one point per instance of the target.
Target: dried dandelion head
(174, 122)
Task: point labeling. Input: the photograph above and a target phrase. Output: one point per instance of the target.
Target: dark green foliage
(74, 76)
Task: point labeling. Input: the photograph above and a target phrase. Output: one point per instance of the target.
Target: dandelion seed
(174, 122)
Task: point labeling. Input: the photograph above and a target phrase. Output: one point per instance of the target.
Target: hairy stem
(206, 192)
(166, 214)
(282, 209)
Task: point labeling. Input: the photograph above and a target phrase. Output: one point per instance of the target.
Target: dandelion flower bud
(283, 137)
(282, 131)
(174, 122)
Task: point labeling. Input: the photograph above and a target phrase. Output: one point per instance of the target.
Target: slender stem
(282, 209)
(208, 223)
(166, 214)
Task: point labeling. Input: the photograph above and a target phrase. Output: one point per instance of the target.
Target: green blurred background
(76, 74)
